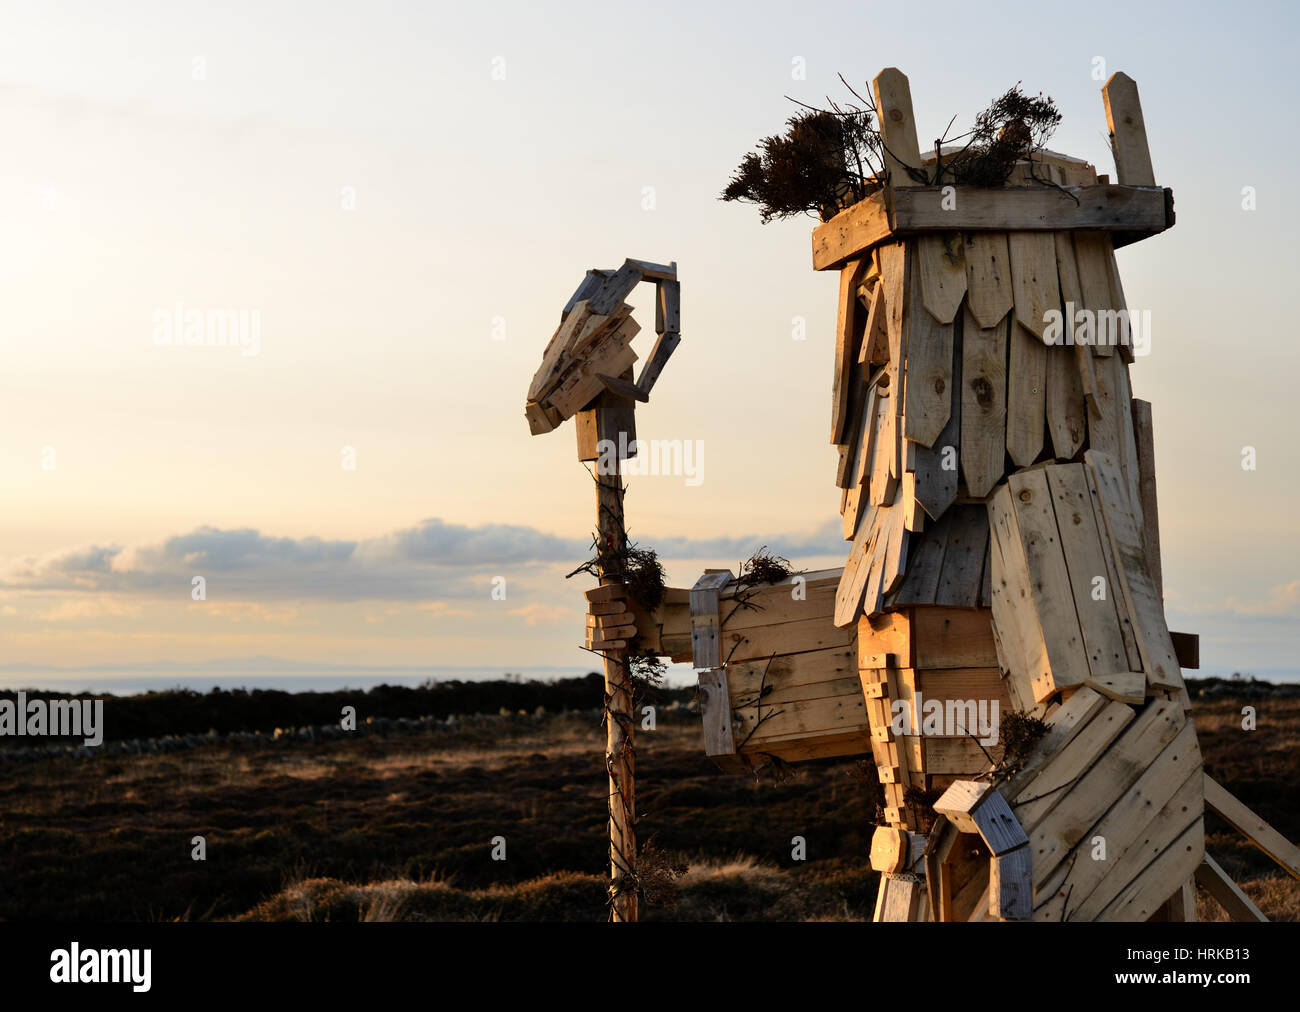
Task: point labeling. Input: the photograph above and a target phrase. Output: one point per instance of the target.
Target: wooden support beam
(1252, 827)
(1128, 131)
(1128, 212)
(897, 126)
(1228, 894)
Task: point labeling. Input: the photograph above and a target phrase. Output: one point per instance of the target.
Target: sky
(400, 197)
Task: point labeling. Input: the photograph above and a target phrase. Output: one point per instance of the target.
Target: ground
(404, 826)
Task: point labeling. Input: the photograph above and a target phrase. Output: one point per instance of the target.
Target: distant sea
(270, 673)
(293, 676)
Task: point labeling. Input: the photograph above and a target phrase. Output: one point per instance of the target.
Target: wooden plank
(1132, 781)
(1128, 131)
(853, 231)
(848, 330)
(953, 757)
(1145, 608)
(853, 581)
(1010, 888)
(656, 272)
(895, 553)
(1063, 725)
(1252, 827)
(715, 710)
(1179, 859)
(1085, 562)
(1066, 766)
(1146, 462)
(928, 381)
(963, 561)
(704, 619)
(937, 467)
(882, 486)
(1021, 650)
(1067, 409)
(1052, 599)
(763, 641)
(874, 347)
(1026, 395)
(1128, 213)
(860, 396)
(988, 278)
(668, 307)
(983, 403)
(665, 345)
(953, 638)
(1226, 892)
(1167, 795)
(925, 563)
(1092, 257)
(615, 288)
(1187, 649)
(1034, 283)
(897, 126)
(1101, 208)
(941, 274)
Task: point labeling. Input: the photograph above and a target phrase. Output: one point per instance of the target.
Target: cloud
(545, 614)
(432, 561)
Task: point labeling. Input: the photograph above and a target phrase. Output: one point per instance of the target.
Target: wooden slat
(1034, 281)
(715, 709)
(1081, 544)
(938, 467)
(1166, 795)
(1064, 768)
(1067, 410)
(963, 561)
(941, 270)
(988, 278)
(1155, 751)
(882, 485)
(847, 332)
(953, 638)
(897, 126)
(1144, 606)
(1092, 257)
(1176, 861)
(1022, 652)
(1128, 132)
(1052, 600)
(928, 383)
(1026, 395)
(1252, 827)
(983, 403)
(1226, 892)
(1127, 212)
(924, 565)
(1146, 462)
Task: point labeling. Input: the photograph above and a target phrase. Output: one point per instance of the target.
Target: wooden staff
(620, 753)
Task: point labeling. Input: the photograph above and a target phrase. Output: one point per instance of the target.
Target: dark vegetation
(401, 826)
(830, 158)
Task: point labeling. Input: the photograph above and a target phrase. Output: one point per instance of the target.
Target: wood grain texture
(983, 403)
(988, 277)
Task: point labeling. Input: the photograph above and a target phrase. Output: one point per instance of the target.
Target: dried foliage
(763, 567)
(1008, 131)
(637, 568)
(657, 875)
(831, 158)
(1017, 734)
(806, 169)
(921, 804)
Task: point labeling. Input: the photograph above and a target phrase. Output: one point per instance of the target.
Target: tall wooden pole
(620, 755)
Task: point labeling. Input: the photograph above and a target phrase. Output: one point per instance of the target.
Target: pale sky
(208, 154)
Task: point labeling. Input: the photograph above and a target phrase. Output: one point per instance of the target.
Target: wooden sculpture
(998, 487)
(587, 371)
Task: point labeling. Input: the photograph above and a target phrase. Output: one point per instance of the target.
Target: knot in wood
(1025, 495)
(983, 390)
